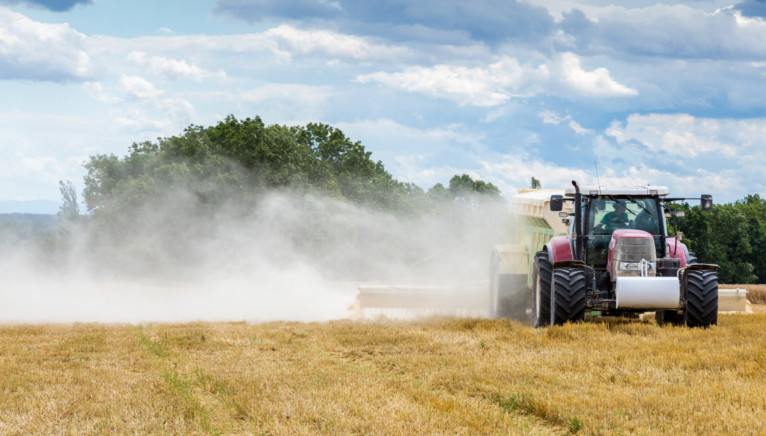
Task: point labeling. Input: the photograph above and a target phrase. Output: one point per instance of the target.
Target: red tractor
(618, 260)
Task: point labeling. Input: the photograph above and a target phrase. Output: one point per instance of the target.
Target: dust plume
(282, 256)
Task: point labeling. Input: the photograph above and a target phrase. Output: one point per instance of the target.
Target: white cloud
(290, 93)
(96, 91)
(139, 121)
(41, 51)
(172, 69)
(513, 172)
(578, 129)
(289, 42)
(551, 117)
(596, 83)
(421, 156)
(502, 80)
(295, 103)
(684, 135)
(491, 86)
(673, 31)
(138, 87)
(385, 134)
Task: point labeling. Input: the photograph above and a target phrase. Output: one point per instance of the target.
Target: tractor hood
(631, 253)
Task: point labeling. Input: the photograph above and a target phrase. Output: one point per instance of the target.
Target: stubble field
(440, 376)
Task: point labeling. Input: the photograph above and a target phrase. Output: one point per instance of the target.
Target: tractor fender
(559, 249)
(677, 251)
(570, 264)
(692, 267)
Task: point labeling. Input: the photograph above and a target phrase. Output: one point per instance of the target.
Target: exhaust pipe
(578, 227)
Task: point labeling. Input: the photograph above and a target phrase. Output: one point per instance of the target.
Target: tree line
(732, 236)
(242, 158)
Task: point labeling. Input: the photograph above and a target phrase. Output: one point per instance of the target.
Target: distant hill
(29, 219)
(44, 207)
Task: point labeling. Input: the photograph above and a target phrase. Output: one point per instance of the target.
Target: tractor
(617, 259)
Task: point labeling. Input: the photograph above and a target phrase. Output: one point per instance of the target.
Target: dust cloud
(287, 256)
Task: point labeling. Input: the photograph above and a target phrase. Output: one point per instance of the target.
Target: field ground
(440, 376)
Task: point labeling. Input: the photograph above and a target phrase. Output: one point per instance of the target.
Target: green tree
(239, 158)
(464, 185)
(69, 209)
(535, 183)
(723, 236)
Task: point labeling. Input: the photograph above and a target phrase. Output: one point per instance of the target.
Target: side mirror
(557, 203)
(706, 202)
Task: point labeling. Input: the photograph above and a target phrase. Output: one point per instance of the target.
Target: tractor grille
(635, 257)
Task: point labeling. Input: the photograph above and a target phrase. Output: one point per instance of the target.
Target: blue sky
(671, 93)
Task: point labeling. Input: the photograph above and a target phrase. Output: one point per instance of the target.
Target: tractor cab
(629, 223)
(607, 217)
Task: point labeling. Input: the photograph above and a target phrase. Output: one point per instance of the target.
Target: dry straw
(444, 376)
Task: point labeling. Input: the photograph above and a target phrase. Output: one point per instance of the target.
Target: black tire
(494, 282)
(568, 296)
(701, 298)
(507, 293)
(692, 259)
(670, 317)
(541, 290)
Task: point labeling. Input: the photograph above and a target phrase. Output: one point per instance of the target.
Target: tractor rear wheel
(701, 298)
(541, 290)
(568, 296)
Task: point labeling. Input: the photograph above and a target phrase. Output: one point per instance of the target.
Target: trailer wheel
(701, 298)
(568, 296)
(507, 293)
(541, 290)
(670, 317)
(494, 285)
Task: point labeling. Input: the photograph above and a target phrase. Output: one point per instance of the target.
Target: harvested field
(444, 376)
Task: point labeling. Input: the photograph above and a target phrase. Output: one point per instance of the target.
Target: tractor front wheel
(568, 295)
(701, 298)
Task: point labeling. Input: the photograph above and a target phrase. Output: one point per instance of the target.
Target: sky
(603, 92)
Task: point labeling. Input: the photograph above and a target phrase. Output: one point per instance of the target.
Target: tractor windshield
(607, 214)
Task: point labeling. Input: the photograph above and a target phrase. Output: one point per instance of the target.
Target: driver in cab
(618, 218)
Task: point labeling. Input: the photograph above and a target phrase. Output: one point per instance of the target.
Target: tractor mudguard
(677, 250)
(558, 249)
(569, 264)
